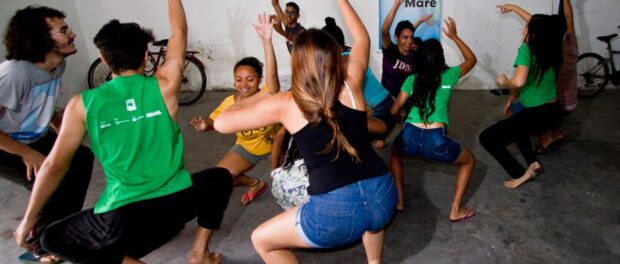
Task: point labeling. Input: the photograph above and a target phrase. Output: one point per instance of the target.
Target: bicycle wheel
(592, 75)
(194, 81)
(98, 73)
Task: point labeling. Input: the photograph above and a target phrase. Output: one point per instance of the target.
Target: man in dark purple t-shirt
(397, 58)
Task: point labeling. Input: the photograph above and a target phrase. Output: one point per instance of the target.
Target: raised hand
(506, 8)
(264, 26)
(450, 28)
(426, 17)
(200, 123)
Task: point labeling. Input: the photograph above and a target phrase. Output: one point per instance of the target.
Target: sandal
(31, 258)
(249, 196)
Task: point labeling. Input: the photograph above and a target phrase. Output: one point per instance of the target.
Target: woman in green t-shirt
(424, 134)
(534, 83)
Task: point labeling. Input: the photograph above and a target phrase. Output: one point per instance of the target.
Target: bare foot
(51, 259)
(207, 257)
(380, 144)
(461, 214)
(529, 174)
(130, 260)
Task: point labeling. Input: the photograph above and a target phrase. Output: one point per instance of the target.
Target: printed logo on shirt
(131, 105)
(446, 86)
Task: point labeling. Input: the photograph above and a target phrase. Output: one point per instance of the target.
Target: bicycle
(592, 70)
(194, 80)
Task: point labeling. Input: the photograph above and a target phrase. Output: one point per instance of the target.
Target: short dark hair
(293, 5)
(334, 30)
(123, 45)
(252, 62)
(402, 25)
(27, 36)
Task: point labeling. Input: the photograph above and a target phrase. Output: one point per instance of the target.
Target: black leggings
(518, 128)
(140, 227)
(70, 194)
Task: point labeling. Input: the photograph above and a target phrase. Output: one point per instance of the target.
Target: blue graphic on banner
(413, 10)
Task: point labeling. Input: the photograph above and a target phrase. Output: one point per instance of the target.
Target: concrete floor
(570, 214)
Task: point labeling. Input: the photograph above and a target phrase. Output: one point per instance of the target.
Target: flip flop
(249, 196)
(31, 258)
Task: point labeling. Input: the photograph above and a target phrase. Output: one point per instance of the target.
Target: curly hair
(27, 36)
(251, 62)
(123, 45)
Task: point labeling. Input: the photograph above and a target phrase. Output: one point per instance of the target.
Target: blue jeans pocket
(336, 226)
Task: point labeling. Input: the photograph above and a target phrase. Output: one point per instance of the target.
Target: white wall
(222, 31)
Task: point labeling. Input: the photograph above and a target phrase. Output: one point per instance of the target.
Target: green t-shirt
(449, 78)
(139, 145)
(534, 93)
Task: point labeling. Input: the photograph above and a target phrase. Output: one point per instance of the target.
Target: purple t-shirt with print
(396, 68)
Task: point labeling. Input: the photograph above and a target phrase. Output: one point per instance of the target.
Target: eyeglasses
(66, 31)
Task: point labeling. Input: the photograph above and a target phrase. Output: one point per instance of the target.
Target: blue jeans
(341, 216)
(432, 144)
(381, 111)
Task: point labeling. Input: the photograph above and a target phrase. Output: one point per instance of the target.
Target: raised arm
(517, 81)
(358, 58)
(470, 58)
(280, 21)
(387, 23)
(568, 16)
(264, 29)
(507, 8)
(54, 167)
(422, 20)
(171, 72)
(278, 9)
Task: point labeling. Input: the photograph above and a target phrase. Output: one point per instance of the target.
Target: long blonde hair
(317, 78)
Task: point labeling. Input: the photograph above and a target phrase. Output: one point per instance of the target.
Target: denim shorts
(432, 144)
(381, 111)
(253, 159)
(340, 217)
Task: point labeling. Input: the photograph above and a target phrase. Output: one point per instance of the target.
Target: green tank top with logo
(138, 144)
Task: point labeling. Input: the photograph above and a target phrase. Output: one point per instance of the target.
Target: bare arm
(387, 23)
(470, 57)
(517, 81)
(358, 58)
(32, 158)
(264, 28)
(171, 72)
(568, 15)
(280, 21)
(254, 112)
(422, 20)
(507, 8)
(278, 9)
(54, 167)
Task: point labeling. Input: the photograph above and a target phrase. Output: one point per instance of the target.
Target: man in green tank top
(131, 124)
